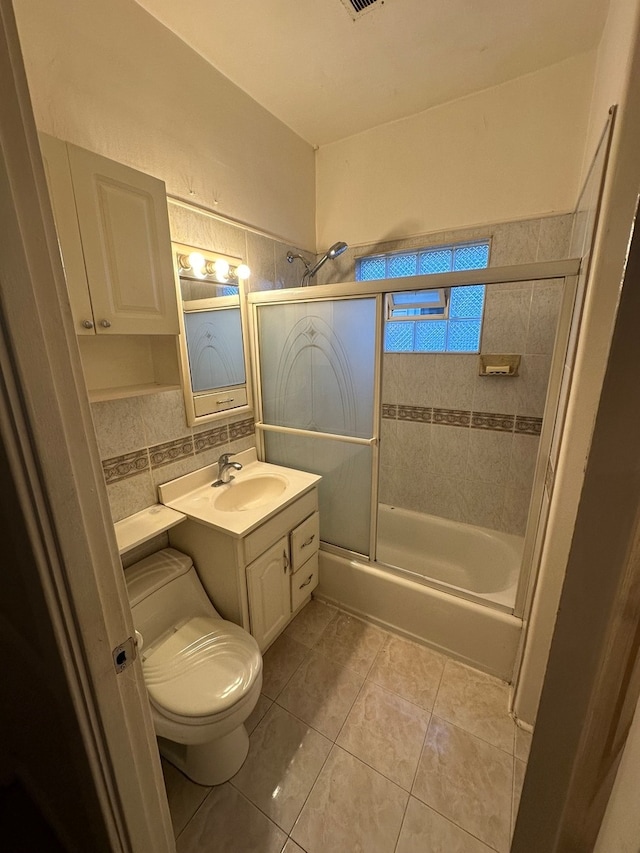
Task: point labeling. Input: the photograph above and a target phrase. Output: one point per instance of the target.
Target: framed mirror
(213, 339)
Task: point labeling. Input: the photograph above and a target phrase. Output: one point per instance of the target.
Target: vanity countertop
(257, 492)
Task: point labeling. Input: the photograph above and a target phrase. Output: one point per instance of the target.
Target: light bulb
(222, 268)
(243, 271)
(197, 262)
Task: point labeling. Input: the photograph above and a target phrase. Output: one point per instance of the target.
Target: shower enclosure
(432, 474)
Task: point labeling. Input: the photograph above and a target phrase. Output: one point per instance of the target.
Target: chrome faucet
(224, 468)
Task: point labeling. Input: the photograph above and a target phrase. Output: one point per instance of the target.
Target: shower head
(292, 256)
(329, 255)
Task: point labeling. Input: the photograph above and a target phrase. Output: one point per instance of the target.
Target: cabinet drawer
(207, 404)
(269, 532)
(304, 581)
(305, 541)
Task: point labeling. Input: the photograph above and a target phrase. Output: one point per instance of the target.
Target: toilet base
(210, 763)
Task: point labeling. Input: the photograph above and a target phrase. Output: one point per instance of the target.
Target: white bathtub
(471, 561)
(437, 613)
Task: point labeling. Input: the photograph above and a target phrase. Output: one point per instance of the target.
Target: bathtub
(475, 562)
(468, 625)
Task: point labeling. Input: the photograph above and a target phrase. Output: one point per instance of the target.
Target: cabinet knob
(105, 324)
(87, 324)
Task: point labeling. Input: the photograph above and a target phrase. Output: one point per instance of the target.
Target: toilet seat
(202, 671)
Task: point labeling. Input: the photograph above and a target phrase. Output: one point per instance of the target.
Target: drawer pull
(307, 582)
(228, 400)
(309, 541)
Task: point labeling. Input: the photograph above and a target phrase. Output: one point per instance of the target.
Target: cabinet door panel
(124, 227)
(269, 593)
(58, 174)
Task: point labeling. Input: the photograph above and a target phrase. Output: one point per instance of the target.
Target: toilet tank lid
(149, 575)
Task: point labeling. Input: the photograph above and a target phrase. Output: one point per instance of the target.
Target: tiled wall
(145, 441)
(456, 444)
(473, 468)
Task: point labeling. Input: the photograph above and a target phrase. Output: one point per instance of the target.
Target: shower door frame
(302, 294)
(566, 270)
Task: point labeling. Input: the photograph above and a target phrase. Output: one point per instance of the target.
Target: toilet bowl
(203, 674)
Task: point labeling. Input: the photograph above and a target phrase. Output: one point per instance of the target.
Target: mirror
(213, 339)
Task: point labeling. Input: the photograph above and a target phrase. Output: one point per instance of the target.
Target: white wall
(612, 61)
(619, 85)
(111, 78)
(509, 152)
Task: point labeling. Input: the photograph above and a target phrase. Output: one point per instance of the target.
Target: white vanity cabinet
(268, 588)
(259, 580)
(113, 229)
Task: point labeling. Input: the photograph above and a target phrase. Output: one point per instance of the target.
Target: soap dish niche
(498, 364)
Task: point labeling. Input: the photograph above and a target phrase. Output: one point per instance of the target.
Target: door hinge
(124, 654)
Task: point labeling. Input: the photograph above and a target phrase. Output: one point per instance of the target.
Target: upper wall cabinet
(114, 237)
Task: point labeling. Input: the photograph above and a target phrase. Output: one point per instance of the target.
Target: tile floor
(362, 741)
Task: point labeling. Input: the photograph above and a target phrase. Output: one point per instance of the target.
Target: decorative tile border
(528, 426)
(127, 465)
(171, 451)
(487, 420)
(415, 413)
(241, 429)
(452, 417)
(456, 417)
(210, 439)
(147, 458)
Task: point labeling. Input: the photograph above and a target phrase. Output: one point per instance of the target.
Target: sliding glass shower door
(318, 369)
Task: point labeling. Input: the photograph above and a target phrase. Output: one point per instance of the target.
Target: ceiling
(328, 76)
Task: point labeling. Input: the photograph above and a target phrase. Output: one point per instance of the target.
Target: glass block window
(455, 321)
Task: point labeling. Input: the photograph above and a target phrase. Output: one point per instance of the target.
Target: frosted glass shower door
(317, 365)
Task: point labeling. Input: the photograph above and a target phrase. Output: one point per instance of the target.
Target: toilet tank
(164, 591)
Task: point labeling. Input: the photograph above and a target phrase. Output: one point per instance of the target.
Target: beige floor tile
(226, 822)
(321, 692)
(351, 642)
(425, 831)
(523, 744)
(519, 769)
(279, 663)
(410, 670)
(184, 796)
(477, 703)
(309, 624)
(350, 808)
(285, 757)
(292, 847)
(262, 706)
(467, 780)
(386, 732)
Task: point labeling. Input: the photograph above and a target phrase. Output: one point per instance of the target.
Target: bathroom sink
(259, 491)
(250, 493)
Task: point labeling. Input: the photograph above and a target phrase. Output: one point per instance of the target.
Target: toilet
(203, 674)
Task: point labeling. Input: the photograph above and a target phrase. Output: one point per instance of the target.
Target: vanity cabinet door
(269, 593)
(124, 226)
(113, 229)
(63, 204)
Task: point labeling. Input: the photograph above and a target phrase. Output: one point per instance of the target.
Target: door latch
(124, 654)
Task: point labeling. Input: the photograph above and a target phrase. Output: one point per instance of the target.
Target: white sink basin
(251, 493)
(259, 491)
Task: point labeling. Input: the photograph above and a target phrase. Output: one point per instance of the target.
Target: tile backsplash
(464, 446)
(476, 437)
(135, 462)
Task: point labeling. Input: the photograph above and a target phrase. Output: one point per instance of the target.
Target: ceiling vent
(356, 8)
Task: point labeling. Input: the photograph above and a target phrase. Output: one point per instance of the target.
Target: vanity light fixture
(218, 268)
